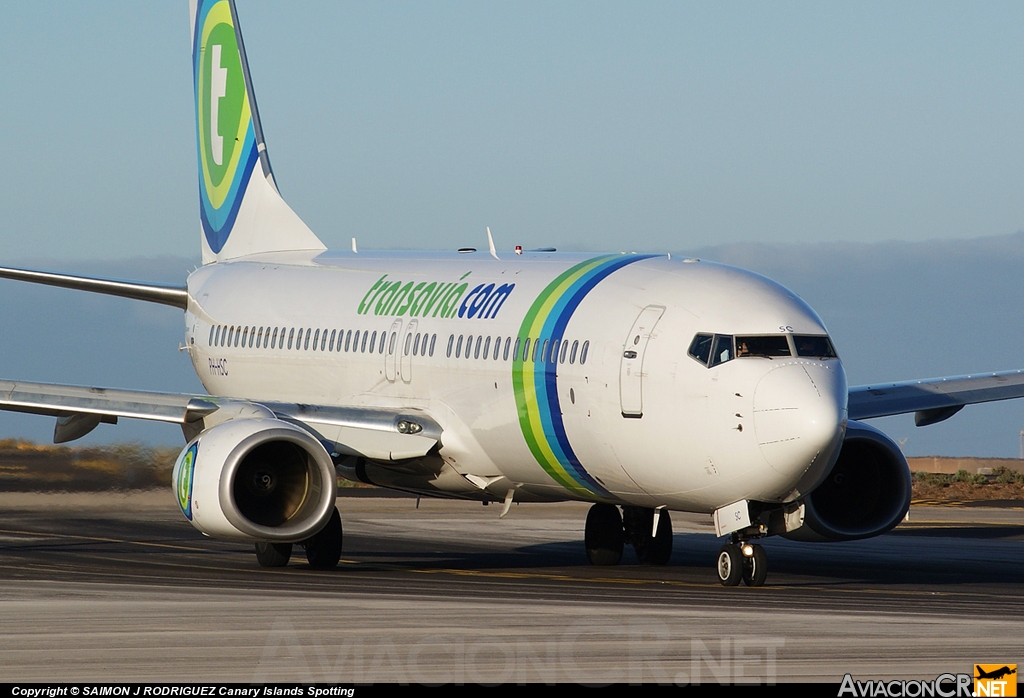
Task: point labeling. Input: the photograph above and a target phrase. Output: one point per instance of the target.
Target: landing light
(748, 550)
(406, 427)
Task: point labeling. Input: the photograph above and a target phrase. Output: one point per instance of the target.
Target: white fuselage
(640, 421)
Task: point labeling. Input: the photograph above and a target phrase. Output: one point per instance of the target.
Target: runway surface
(120, 587)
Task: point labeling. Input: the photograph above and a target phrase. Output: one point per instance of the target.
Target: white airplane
(642, 383)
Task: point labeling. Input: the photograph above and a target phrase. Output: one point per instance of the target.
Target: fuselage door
(391, 351)
(407, 350)
(631, 375)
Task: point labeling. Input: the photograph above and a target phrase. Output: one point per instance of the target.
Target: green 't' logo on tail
(227, 145)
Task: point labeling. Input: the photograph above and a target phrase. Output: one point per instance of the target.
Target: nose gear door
(632, 362)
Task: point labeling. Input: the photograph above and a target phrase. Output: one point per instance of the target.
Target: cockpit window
(722, 351)
(810, 345)
(711, 349)
(765, 346)
(700, 347)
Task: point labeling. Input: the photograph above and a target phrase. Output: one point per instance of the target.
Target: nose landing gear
(742, 561)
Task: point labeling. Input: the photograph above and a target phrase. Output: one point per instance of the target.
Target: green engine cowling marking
(184, 472)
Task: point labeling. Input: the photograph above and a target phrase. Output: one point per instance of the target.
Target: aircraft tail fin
(241, 210)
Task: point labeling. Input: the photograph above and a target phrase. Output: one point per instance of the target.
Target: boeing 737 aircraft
(641, 383)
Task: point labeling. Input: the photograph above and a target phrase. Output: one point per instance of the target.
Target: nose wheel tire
(755, 567)
(730, 565)
(604, 536)
(273, 554)
(323, 550)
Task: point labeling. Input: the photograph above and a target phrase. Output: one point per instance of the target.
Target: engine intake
(256, 479)
(866, 493)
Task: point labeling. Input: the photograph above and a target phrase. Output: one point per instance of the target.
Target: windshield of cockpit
(714, 349)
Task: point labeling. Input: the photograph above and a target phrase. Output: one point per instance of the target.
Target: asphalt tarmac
(114, 587)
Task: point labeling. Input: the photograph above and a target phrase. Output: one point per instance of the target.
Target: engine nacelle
(866, 493)
(256, 479)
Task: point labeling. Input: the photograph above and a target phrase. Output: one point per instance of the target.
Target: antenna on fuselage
(490, 244)
(354, 246)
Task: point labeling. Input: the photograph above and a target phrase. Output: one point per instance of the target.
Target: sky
(587, 126)
(579, 125)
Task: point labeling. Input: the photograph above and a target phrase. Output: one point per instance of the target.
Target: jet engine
(866, 493)
(256, 479)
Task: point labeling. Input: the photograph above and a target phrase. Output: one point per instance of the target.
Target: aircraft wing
(933, 399)
(375, 433)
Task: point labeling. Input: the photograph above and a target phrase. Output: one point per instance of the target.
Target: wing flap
(934, 399)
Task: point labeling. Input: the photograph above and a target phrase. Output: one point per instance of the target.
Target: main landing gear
(742, 560)
(323, 549)
(607, 532)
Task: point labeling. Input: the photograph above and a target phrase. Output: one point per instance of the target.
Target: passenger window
(469, 346)
(700, 348)
(362, 347)
(305, 344)
(330, 346)
(273, 340)
(572, 352)
(433, 339)
(316, 339)
(451, 341)
(323, 340)
(381, 346)
(476, 352)
(373, 342)
(553, 358)
(565, 350)
(458, 347)
(812, 345)
(526, 349)
(408, 344)
(212, 330)
(355, 341)
(765, 346)
(391, 344)
(583, 352)
(416, 345)
(291, 336)
(497, 348)
(536, 348)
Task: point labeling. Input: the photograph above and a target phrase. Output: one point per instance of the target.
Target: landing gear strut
(741, 560)
(650, 549)
(608, 532)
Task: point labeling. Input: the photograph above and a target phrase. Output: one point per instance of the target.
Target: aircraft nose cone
(799, 413)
